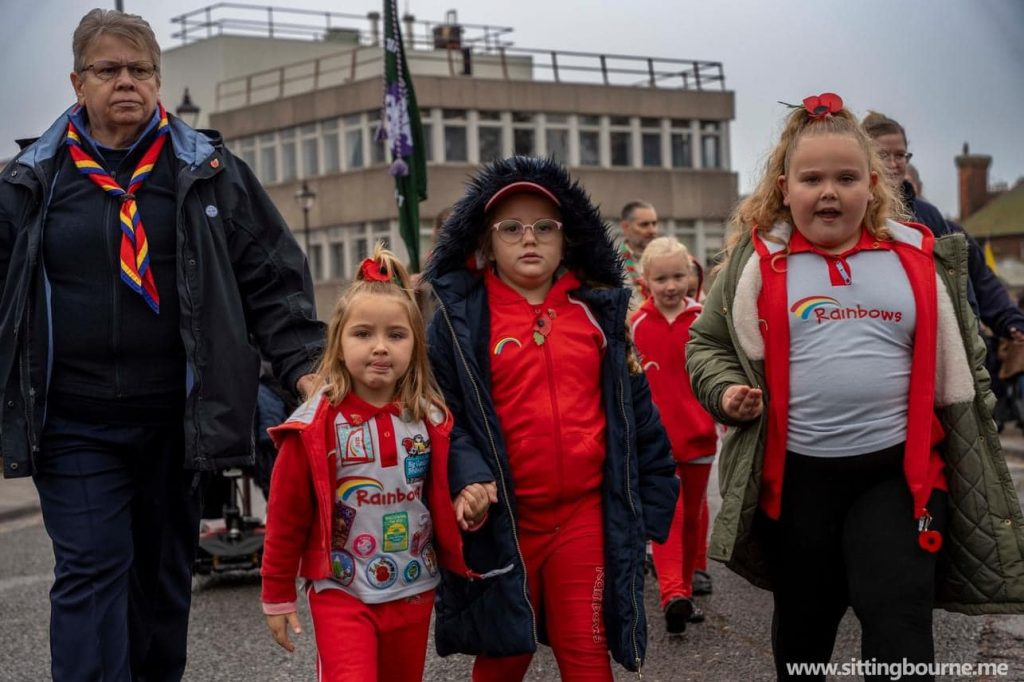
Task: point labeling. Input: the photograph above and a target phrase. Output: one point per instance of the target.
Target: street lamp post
(188, 111)
(305, 196)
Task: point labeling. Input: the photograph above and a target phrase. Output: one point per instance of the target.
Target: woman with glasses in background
(135, 257)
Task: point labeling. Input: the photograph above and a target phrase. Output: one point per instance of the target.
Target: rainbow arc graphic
(505, 342)
(805, 306)
(350, 485)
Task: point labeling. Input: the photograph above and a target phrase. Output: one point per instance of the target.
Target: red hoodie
(662, 346)
(299, 515)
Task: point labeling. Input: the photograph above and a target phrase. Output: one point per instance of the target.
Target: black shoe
(677, 612)
(701, 583)
(697, 616)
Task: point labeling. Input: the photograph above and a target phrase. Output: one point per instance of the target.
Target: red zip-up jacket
(299, 515)
(662, 346)
(548, 398)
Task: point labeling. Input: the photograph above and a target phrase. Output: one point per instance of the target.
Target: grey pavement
(18, 498)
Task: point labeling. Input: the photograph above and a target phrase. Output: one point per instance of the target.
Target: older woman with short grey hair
(125, 363)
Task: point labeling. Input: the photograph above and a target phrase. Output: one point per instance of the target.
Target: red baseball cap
(521, 186)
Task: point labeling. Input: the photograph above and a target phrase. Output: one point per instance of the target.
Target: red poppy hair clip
(820, 106)
(374, 271)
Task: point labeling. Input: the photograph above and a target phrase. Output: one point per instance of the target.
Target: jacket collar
(689, 305)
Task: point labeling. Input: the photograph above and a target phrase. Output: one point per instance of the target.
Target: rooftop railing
(449, 48)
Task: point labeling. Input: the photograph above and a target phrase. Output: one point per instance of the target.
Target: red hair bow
(374, 271)
(823, 105)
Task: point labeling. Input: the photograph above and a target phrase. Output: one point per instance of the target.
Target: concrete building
(298, 96)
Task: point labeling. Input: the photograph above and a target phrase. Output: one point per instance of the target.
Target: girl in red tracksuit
(661, 328)
(361, 505)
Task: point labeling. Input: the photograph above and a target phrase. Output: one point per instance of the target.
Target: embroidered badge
(364, 545)
(343, 518)
(417, 445)
(355, 444)
(421, 538)
(412, 572)
(343, 567)
(396, 532)
(381, 572)
(505, 342)
(429, 558)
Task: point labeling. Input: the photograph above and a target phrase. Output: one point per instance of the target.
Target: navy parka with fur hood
(493, 616)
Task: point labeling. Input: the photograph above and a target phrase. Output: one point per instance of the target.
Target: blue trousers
(123, 516)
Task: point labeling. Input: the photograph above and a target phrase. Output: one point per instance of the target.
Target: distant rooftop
(450, 45)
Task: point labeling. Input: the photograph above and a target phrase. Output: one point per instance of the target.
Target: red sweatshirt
(548, 398)
(662, 346)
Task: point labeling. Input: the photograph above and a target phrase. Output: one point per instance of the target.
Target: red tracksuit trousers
(676, 559)
(565, 574)
(357, 642)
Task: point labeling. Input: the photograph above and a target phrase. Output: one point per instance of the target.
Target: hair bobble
(374, 271)
(819, 106)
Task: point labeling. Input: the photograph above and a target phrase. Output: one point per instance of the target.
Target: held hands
(472, 503)
(279, 629)
(742, 403)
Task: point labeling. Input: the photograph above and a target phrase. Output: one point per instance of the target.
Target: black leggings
(847, 536)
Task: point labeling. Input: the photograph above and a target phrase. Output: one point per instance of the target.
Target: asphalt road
(228, 640)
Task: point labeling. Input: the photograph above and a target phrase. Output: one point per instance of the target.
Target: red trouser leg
(565, 574)
(356, 642)
(668, 555)
(702, 546)
(693, 495)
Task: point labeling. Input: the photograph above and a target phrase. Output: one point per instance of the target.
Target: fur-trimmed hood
(590, 251)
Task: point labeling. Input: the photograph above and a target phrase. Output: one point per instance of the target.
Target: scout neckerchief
(135, 270)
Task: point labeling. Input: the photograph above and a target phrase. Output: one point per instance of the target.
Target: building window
(332, 155)
(556, 137)
(310, 151)
(621, 143)
(315, 257)
(380, 231)
(710, 144)
(455, 147)
(339, 268)
(289, 164)
(590, 141)
(378, 147)
(524, 134)
(268, 158)
(490, 136)
(246, 147)
(362, 248)
(681, 144)
(354, 141)
(428, 136)
(650, 142)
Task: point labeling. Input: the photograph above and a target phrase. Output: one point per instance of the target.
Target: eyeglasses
(513, 231)
(107, 70)
(901, 157)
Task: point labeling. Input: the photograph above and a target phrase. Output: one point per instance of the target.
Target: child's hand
(473, 502)
(742, 403)
(279, 629)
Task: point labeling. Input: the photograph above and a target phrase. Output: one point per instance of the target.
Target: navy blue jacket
(493, 616)
(986, 294)
(239, 273)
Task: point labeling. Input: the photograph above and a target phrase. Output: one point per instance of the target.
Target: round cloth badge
(212, 211)
(364, 545)
(343, 567)
(381, 572)
(412, 572)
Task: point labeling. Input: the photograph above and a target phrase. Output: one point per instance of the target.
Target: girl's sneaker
(701, 583)
(678, 612)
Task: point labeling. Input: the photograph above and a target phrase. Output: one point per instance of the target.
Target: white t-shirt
(851, 347)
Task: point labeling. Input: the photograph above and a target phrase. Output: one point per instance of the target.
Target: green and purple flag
(402, 130)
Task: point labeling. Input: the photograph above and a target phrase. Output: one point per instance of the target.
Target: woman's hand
(472, 504)
(279, 629)
(742, 403)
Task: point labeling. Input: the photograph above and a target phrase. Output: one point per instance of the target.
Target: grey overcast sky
(950, 70)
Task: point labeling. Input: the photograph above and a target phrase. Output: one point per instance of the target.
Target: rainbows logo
(349, 485)
(805, 306)
(500, 346)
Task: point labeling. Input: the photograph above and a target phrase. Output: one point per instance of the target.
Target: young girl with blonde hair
(361, 508)
(862, 457)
